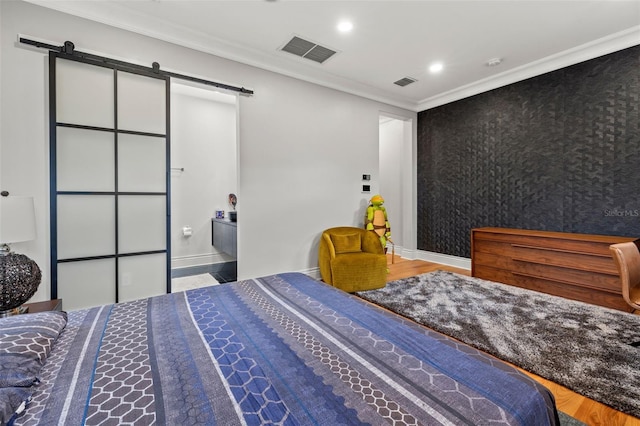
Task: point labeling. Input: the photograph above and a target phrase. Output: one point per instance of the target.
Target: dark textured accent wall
(557, 152)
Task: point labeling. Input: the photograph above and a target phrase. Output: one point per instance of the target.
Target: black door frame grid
(53, 191)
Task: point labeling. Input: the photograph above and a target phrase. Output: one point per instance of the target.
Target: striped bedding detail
(283, 349)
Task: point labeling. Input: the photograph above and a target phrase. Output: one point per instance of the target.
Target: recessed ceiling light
(345, 26)
(436, 67)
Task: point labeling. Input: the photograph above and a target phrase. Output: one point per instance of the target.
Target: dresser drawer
(575, 266)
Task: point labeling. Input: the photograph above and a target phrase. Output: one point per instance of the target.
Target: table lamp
(19, 275)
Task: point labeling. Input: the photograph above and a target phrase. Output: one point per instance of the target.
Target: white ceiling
(390, 39)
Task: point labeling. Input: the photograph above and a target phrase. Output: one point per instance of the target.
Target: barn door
(109, 188)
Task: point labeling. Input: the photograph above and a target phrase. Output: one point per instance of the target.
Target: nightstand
(47, 305)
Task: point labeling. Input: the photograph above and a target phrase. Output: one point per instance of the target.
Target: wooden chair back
(627, 259)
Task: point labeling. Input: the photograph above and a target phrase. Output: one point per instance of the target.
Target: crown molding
(112, 14)
(115, 15)
(585, 52)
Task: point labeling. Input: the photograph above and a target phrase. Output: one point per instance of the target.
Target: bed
(282, 349)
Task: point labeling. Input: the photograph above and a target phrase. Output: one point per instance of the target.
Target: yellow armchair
(352, 259)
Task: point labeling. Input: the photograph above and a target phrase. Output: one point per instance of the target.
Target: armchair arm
(329, 245)
(326, 253)
(371, 243)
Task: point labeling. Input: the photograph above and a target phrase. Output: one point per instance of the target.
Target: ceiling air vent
(309, 50)
(405, 81)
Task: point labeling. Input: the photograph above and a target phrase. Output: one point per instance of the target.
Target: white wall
(203, 142)
(302, 147)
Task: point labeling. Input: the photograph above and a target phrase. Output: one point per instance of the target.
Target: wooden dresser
(575, 266)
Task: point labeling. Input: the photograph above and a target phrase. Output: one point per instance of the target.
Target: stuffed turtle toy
(376, 220)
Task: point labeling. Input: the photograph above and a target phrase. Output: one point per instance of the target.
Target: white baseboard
(179, 262)
(312, 272)
(444, 259)
(402, 252)
(429, 256)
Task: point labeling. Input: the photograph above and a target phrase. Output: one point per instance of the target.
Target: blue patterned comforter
(283, 349)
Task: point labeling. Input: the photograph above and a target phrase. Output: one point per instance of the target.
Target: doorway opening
(396, 178)
(204, 172)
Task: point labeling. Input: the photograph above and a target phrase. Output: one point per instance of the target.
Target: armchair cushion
(347, 243)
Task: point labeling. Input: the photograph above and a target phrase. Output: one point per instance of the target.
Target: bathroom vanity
(224, 236)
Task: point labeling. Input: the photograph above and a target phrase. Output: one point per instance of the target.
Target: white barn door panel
(109, 183)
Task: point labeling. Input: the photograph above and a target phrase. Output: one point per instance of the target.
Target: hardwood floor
(567, 401)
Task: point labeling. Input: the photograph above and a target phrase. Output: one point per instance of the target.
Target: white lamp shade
(17, 219)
